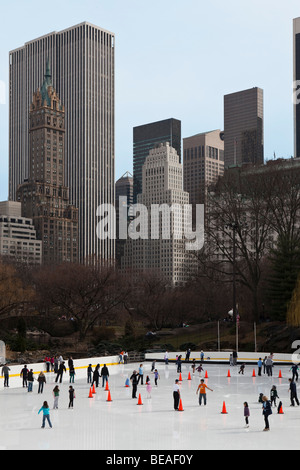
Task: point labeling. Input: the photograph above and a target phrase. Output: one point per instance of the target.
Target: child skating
(46, 414)
(202, 389)
(71, 396)
(56, 397)
(148, 388)
(246, 414)
(274, 395)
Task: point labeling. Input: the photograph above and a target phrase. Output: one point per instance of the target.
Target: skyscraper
(244, 128)
(145, 138)
(296, 52)
(81, 59)
(44, 197)
(164, 249)
(124, 188)
(203, 163)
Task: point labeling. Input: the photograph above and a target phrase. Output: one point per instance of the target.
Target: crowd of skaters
(57, 365)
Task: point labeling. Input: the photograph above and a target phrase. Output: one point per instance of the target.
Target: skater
(46, 414)
(202, 356)
(104, 374)
(246, 414)
(199, 369)
(234, 357)
(166, 358)
(176, 394)
(141, 374)
(242, 369)
(60, 372)
(156, 376)
(71, 396)
(269, 366)
(41, 381)
(293, 393)
(187, 354)
(134, 381)
(96, 376)
(153, 365)
(259, 365)
(264, 364)
(56, 397)
(202, 389)
(147, 379)
(5, 374)
(193, 366)
(274, 395)
(72, 374)
(267, 411)
(24, 374)
(179, 364)
(89, 374)
(295, 369)
(148, 388)
(30, 380)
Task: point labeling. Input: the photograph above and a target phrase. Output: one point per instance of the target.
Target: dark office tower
(296, 36)
(82, 64)
(244, 128)
(147, 137)
(44, 197)
(124, 189)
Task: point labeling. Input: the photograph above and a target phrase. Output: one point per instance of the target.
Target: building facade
(244, 128)
(124, 189)
(145, 138)
(163, 250)
(296, 78)
(203, 163)
(44, 197)
(18, 240)
(81, 60)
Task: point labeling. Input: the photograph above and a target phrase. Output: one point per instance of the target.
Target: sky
(174, 58)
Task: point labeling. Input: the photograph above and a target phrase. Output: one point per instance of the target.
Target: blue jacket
(46, 411)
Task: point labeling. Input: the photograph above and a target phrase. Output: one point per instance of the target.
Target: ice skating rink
(122, 424)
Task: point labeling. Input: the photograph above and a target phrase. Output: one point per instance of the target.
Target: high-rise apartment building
(203, 163)
(18, 239)
(244, 128)
(81, 60)
(44, 196)
(296, 77)
(164, 249)
(145, 138)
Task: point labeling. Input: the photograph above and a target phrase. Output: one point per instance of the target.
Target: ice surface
(122, 424)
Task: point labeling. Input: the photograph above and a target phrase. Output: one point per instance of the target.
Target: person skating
(134, 381)
(202, 392)
(156, 377)
(56, 393)
(274, 395)
(89, 374)
(60, 373)
(259, 365)
(242, 369)
(24, 375)
(30, 380)
(72, 374)
(104, 374)
(176, 394)
(293, 393)
(71, 396)
(141, 374)
(5, 374)
(246, 414)
(295, 369)
(267, 411)
(96, 375)
(41, 381)
(46, 414)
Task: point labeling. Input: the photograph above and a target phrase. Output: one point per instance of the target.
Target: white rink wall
(223, 357)
(80, 365)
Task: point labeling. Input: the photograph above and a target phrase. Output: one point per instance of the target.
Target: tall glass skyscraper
(147, 137)
(81, 59)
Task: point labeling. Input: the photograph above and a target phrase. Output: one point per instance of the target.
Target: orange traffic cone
(228, 375)
(140, 400)
(180, 377)
(107, 387)
(109, 397)
(189, 377)
(253, 375)
(91, 393)
(224, 411)
(206, 375)
(280, 412)
(180, 408)
(280, 375)
(93, 389)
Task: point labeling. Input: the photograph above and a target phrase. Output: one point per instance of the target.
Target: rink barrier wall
(217, 357)
(80, 366)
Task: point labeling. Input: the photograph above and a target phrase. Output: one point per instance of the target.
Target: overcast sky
(174, 58)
